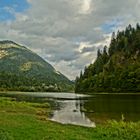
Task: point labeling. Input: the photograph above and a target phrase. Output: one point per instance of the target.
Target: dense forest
(117, 67)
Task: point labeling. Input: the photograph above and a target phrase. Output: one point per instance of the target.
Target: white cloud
(86, 7)
(67, 33)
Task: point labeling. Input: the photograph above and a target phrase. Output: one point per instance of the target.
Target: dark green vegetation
(112, 107)
(23, 70)
(116, 69)
(28, 121)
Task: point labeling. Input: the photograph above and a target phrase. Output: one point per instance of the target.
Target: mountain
(23, 70)
(117, 67)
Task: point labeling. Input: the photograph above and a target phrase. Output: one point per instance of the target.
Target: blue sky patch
(109, 26)
(9, 7)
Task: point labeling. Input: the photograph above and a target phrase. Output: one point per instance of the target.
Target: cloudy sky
(66, 33)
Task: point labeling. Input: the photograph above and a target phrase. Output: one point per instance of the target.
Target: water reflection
(69, 108)
(101, 108)
(70, 113)
(65, 106)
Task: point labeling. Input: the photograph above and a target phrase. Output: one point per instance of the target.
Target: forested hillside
(23, 70)
(117, 67)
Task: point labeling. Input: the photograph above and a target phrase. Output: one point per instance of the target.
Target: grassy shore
(28, 121)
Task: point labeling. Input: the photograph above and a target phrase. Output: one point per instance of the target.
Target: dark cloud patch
(88, 49)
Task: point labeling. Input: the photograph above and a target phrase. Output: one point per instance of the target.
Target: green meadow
(29, 121)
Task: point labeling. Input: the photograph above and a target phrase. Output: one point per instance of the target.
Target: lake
(85, 110)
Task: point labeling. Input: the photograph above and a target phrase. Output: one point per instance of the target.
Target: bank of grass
(28, 121)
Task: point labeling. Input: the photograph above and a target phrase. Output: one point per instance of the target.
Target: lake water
(70, 108)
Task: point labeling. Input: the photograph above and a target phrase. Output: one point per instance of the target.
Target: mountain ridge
(30, 71)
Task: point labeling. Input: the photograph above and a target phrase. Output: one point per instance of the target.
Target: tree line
(117, 66)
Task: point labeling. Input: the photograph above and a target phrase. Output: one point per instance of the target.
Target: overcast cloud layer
(67, 33)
